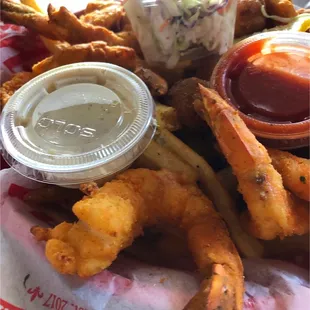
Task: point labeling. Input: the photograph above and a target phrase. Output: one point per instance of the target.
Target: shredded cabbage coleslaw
(169, 29)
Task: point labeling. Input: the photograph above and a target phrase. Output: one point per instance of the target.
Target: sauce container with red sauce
(267, 78)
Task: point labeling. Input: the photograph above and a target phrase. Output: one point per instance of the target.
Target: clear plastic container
(77, 123)
(272, 130)
(171, 32)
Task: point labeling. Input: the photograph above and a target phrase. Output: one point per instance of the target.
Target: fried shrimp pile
(273, 211)
(113, 215)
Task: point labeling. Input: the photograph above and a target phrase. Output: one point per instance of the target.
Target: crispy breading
(109, 14)
(295, 172)
(156, 83)
(113, 215)
(282, 8)
(8, 88)
(249, 17)
(272, 210)
(63, 25)
(182, 95)
(80, 32)
(94, 51)
(24, 15)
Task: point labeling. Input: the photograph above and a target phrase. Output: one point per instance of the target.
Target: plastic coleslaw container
(172, 31)
(77, 123)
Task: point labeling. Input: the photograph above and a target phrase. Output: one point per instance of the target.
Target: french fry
(158, 157)
(247, 245)
(167, 117)
(156, 84)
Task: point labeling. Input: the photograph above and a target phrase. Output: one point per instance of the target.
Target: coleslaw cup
(171, 32)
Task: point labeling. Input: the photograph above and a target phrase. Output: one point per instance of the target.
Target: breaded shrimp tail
(271, 207)
(295, 172)
(112, 216)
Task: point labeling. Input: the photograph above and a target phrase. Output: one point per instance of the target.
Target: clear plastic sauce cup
(77, 123)
(173, 32)
(267, 78)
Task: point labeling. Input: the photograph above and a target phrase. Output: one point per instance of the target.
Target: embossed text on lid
(77, 118)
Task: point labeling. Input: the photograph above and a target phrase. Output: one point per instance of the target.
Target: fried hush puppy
(182, 96)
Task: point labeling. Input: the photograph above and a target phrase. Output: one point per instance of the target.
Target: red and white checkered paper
(20, 49)
(28, 281)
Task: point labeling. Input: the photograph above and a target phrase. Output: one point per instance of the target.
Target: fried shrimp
(113, 215)
(94, 51)
(271, 207)
(24, 15)
(65, 54)
(109, 14)
(80, 32)
(63, 25)
(295, 172)
(8, 88)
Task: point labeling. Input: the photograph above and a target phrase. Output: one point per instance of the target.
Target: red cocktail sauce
(270, 86)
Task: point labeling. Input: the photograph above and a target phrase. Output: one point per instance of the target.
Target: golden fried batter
(80, 32)
(272, 209)
(8, 88)
(113, 215)
(24, 15)
(282, 8)
(94, 51)
(108, 14)
(64, 26)
(249, 17)
(295, 172)
(182, 95)
(157, 85)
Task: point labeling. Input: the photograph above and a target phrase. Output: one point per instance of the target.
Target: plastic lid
(77, 123)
